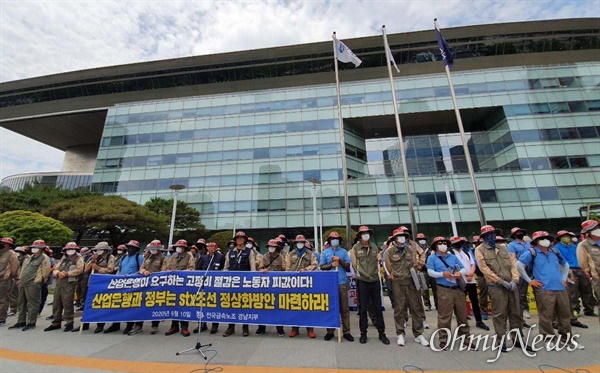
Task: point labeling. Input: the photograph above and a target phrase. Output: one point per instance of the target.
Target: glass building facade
(244, 158)
(62, 180)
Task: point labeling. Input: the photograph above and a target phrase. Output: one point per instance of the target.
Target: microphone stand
(199, 346)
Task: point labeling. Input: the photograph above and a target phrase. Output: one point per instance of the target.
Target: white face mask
(35, 251)
(574, 239)
(335, 243)
(596, 232)
(153, 251)
(119, 252)
(179, 250)
(99, 252)
(366, 237)
(422, 242)
(272, 249)
(300, 245)
(249, 245)
(70, 252)
(401, 239)
(18, 254)
(545, 242)
(443, 248)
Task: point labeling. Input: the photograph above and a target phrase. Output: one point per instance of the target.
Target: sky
(48, 37)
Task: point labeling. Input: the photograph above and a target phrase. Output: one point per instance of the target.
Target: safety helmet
(588, 225)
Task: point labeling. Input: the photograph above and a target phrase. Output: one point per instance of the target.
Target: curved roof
(69, 109)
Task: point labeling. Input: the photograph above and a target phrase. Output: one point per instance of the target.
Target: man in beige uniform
(181, 260)
(35, 270)
(9, 266)
(67, 272)
(154, 262)
(301, 259)
(588, 254)
(420, 263)
(22, 254)
(273, 260)
(102, 262)
(500, 271)
(400, 259)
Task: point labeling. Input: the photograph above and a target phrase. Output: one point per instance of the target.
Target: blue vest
(239, 262)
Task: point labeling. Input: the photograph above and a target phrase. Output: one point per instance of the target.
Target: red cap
(211, 244)
(272, 243)
(71, 246)
(439, 239)
(180, 243)
(364, 228)
(515, 230)
(588, 225)
(39, 244)
(454, 240)
(334, 235)
(500, 239)
(300, 238)
(421, 236)
(121, 247)
(399, 232)
(487, 229)
(201, 241)
(134, 243)
(563, 232)
(8, 240)
(476, 239)
(541, 234)
(156, 244)
(240, 234)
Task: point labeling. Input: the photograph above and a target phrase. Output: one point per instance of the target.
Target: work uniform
(14, 288)
(107, 264)
(35, 271)
(497, 265)
(430, 280)
(64, 292)
(425, 292)
(153, 263)
(588, 257)
(9, 267)
(580, 287)
(517, 249)
(365, 260)
(183, 261)
(399, 260)
(344, 265)
(84, 279)
(272, 262)
(451, 299)
(420, 263)
(240, 259)
(304, 260)
(211, 262)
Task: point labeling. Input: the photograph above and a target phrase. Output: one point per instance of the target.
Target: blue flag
(445, 49)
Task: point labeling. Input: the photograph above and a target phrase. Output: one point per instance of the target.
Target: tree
(221, 238)
(187, 218)
(342, 232)
(112, 216)
(25, 227)
(36, 197)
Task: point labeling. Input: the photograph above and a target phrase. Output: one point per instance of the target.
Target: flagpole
(413, 221)
(464, 142)
(342, 143)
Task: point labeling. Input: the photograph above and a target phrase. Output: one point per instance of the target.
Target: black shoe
(17, 325)
(50, 317)
(578, 324)
(30, 326)
(384, 339)
(554, 324)
(68, 327)
(99, 329)
(245, 331)
(112, 328)
(196, 330)
(504, 347)
(79, 309)
(214, 329)
(52, 327)
(260, 331)
(204, 327)
(280, 331)
(229, 331)
(127, 329)
(526, 326)
(592, 314)
(363, 338)
(481, 325)
(348, 337)
(518, 345)
(86, 326)
(328, 336)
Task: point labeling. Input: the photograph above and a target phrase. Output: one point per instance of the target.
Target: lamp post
(444, 176)
(175, 188)
(315, 182)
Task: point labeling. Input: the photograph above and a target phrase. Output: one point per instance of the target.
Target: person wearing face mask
(119, 253)
(102, 262)
(500, 271)
(550, 273)
(21, 252)
(588, 254)
(271, 261)
(67, 272)
(35, 270)
(181, 260)
(84, 279)
(364, 257)
(578, 284)
(154, 262)
(9, 266)
(446, 269)
(471, 286)
(242, 257)
(482, 286)
(298, 260)
(129, 264)
(400, 261)
(421, 259)
(336, 258)
(257, 255)
(422, 242)
(212, 261)
(516, 248)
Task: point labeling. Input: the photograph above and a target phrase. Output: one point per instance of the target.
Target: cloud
(45, 37)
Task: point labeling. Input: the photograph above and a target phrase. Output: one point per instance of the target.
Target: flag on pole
(344, 54)
(445, 49)
(389, 50)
